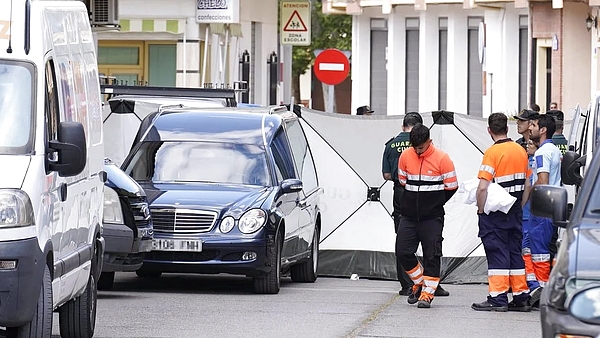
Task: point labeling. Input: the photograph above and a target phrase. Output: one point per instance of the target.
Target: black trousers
(429, 234)
(403, 278)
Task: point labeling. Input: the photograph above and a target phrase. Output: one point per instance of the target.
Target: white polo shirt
(547, 160)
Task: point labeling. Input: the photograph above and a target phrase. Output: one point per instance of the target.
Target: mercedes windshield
(196, 162)
(16, 107)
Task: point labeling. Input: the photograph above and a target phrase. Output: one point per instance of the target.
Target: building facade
(160, 43)
(472, 57)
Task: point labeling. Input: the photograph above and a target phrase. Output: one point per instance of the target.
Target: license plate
(177, 245)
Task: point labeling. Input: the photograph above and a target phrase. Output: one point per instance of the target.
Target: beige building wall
(576, 46)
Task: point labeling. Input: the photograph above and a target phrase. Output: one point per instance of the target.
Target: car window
(593, 203)
(17, 85)
(302, 155)
(199, 162)
(284, 162)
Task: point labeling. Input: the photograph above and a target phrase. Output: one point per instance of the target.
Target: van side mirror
(71, 148)
(570, 168)
(550, 202)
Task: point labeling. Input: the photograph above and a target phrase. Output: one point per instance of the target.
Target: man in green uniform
(558, 138)
(393, 148)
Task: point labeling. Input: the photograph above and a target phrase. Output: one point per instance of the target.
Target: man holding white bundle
(505, 163)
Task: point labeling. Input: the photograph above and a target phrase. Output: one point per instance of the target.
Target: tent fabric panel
(462, 270)
(461, 221)
(366, 264)
(382, 265)
(371, 228)
(118, 136)
(344, 191)
(360, 140)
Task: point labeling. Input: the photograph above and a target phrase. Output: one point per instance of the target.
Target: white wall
(502, 42)
(577, 59)
(502, 57)
(265, 13)
(429, 47)
(157, 9)
(361, 61)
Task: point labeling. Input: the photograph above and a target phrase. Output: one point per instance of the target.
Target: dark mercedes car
(577, 266)
(231, 190)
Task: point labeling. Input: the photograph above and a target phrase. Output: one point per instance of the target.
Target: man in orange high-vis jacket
(505, 163)
(429, 180)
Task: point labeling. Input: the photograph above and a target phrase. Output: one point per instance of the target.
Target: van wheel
(106, 281)
(77, 317)
(306, 272)
(148, 273)
(41, 325)
(271, 282)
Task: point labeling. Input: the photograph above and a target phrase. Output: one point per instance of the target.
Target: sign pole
(330, 99)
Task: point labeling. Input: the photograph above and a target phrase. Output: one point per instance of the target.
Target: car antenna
(9, 49)
(291, 104)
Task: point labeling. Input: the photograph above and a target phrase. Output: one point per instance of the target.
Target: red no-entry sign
(331, 66)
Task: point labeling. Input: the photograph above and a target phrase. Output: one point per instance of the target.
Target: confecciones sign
(218, 11)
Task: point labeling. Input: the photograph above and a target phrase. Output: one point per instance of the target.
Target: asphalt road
(224, 306)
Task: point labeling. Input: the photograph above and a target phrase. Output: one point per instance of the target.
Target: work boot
(440, 292)
(535, 295)
(487, 306)
(519, 307)
(425, 301)
(424, 304)
(415, 294)
(406, 291)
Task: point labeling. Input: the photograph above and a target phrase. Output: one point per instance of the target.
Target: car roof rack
(212, 92)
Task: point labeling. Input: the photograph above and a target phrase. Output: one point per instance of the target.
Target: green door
(162, 63)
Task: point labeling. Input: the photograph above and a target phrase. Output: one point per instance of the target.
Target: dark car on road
(127, 225)
(231, 190)
(577, 265)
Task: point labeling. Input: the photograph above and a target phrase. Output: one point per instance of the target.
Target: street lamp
(590, 22)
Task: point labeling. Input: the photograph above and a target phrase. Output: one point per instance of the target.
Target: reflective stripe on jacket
(429, 180)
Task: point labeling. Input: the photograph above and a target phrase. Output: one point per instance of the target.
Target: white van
(51, 169)
(584, 138)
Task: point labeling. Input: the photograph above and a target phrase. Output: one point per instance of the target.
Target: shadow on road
(186, 283)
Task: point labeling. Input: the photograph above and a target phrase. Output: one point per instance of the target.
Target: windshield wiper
(595, 211)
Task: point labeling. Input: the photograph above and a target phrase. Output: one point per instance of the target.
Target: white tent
(357, 229)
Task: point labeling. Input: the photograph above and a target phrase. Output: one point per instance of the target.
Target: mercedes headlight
(112, 207)
(252, 221)
(15, 209)
(226, 224)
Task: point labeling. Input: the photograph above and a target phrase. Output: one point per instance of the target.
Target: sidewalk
(448, 317)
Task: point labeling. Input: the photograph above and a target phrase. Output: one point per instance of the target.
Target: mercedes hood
(206, 196)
